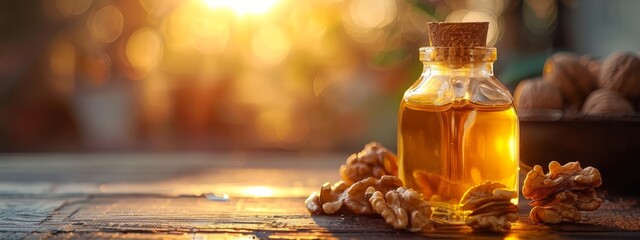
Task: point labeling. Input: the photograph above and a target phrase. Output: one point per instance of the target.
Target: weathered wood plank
(181, 217)
(14, 235)
(171, 174)
(147, 197)
(399, 235)
(273, 216)
(26, 214)
(138, 236)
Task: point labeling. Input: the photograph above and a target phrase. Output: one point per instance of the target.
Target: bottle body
(457, 129)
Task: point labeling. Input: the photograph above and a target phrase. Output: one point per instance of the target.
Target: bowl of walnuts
(584, 109)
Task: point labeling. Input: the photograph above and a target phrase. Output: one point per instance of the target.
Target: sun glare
(242, 7)
(259, 191)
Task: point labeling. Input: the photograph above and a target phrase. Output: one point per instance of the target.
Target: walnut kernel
(355, 198)
(328, 200)
(492, 222)
(332, 198)
(403, 209)
(562, 193)
(491, 207)
(486, 192)
(559, 208)
(313, 203)
(570, 176)
(373, 161)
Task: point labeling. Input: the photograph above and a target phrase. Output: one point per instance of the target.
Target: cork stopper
(458, 34)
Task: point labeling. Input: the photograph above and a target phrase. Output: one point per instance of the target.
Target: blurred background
(254, 75)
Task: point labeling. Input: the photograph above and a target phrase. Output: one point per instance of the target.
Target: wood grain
(49, 213)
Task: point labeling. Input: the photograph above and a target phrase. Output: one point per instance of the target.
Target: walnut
(491, 207)
(484, 193)
(570, 176)
(328, 200)
(355, 198)
(586, 200)
(492, 222)
(313, 203)
(562, 193)
(331, 199)
(592, 64)
(565, 205)
(621, 72)
(560, 208)
(537, 94)
(402, 208)
(574, 80)
(373, 161)
(606, 101)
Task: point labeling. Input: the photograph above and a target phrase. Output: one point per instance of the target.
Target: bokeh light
(265, 74)
(274, 125)
(368, 14)
(211, 33)
(271, 44)
(364, 20)
(493, 7)
(158, 7)
(97, 67)
(106, 24)
(412, 24)
(73, 7)
(62, 62)
(243, 7)
(144, 50)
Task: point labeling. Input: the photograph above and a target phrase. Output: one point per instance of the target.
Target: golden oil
(457, 128)
(447, 150)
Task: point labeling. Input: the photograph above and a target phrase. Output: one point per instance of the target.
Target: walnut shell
(621, 72)
(574, 80)
(592, 64)
(537, 94)
(606, 101)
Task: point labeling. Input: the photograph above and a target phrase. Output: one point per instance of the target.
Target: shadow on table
(373, 226)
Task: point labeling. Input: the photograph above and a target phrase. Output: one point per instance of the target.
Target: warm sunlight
(259, 191)
(242, 7)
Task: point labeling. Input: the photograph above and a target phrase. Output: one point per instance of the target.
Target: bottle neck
(459, 68)
(456, 60)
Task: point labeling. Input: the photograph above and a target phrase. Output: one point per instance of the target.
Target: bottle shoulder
(440, 90)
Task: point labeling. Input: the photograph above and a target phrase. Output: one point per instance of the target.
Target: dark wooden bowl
(609, 143)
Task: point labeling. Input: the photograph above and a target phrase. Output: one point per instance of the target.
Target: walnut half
(565, 205)
(491, 206)
(356, 196)
(331, 199)
(403, 209)
(562, 193)
(328, 200)
(373, 161)
(570, 176)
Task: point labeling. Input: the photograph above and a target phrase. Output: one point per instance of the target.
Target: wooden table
(164, 196)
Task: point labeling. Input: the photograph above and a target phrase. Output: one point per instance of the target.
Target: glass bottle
(457, 128)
